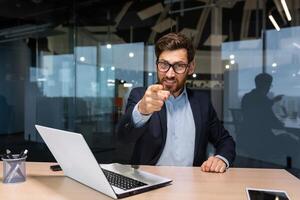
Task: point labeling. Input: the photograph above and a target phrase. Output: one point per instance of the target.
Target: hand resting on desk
(214, 164)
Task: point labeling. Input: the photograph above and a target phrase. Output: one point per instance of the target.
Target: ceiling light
(131, 54)
(128, 85)
(231, 56)
(112, 68)
(82, 59)
(110, 80)
(286, 10)
(274, 22)
(194, 75)
(227, 66)
(274, 64)
(41, 79)
(232, 62)
(108, 46)
(296, 45)
(101, 69)
(149, 74)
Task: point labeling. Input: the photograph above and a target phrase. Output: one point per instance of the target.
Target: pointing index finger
(163, 94)
(156, 87)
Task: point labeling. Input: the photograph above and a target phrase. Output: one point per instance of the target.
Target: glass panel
(37, 74)
(282, 63)
(105, 74)
(239, 72)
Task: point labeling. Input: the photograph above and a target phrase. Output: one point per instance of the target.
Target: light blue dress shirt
(180, 142)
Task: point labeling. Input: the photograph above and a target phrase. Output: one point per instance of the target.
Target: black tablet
(266, 194)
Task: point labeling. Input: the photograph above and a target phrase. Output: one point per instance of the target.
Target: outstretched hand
(214, 164)
(153, 100)
(278, 98)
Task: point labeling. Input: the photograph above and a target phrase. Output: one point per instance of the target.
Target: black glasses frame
(172, 65)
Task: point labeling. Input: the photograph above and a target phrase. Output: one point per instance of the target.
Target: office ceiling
(141, 20)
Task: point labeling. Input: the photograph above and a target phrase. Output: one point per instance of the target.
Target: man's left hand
(214, 164)
(277, 98)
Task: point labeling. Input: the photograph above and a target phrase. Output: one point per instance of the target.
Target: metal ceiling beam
(201, 22)
(160, 19)
(122, 13)
(193, 8)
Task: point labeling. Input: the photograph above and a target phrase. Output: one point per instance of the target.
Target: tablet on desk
(264, 194)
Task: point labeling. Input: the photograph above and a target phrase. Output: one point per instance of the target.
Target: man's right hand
(153, 100)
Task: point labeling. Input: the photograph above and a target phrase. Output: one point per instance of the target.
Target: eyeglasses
(164, 66)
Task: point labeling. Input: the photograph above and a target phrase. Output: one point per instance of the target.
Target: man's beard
(176, 87)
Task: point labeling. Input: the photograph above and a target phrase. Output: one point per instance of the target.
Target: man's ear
(191, 68)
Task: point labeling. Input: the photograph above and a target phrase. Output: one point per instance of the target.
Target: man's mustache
(169, 79)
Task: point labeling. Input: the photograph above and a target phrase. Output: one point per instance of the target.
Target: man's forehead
(180, 54)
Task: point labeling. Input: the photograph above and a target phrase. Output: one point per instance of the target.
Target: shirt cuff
(138, 118)
(224, 159)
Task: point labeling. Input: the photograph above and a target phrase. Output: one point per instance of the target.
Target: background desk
(292, 124)
(188, 183)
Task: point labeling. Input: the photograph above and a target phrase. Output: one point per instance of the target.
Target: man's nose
(170, 73)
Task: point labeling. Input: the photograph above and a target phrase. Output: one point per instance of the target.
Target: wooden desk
(188, 183)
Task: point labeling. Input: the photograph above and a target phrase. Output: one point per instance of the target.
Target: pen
(23, 153)
(8, 154)
(4, 156)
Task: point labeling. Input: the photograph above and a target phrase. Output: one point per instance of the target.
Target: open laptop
(77, 161)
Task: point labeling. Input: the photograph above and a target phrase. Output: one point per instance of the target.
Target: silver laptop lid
(76, 159)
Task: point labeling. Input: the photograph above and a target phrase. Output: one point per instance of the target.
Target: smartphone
(265, 194)
(55, 168)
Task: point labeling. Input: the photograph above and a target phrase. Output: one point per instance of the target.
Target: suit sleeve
(220, 138)
(126, 130)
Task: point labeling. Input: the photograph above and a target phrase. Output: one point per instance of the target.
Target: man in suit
(257, 107)
(171, 124)
(260, 124)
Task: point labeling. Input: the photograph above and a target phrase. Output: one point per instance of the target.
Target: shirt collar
(182, 95)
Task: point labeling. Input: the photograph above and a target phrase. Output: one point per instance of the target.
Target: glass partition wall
(71, 65)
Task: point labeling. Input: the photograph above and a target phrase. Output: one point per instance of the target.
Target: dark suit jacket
(150, 139)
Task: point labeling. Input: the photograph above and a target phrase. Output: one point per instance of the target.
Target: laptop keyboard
(121, 181)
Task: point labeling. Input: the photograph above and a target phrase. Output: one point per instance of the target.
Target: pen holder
(14, 170)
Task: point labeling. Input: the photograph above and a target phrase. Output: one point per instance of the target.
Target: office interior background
(71, 65)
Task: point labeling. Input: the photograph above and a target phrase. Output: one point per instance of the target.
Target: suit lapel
(163, 123)
(195, 106)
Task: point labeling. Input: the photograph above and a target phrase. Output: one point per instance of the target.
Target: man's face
(171, 80)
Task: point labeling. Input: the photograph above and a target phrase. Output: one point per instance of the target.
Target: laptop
(78, 162)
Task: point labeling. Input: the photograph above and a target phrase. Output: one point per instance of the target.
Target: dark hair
(174, 41)
(263, 80)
